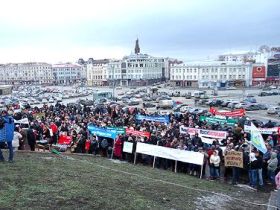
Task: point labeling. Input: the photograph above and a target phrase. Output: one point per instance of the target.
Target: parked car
(241, 105)
(263, 106)
(163, 98)
(147, 99)
(252, 107)
(181, 108)
(188, 96)
(250, 100)
(214, 102)
(133, 103)
(225, 103)
(149, 105)
(230, 88)
(273, 110)
(197, 111)
(165, 103)
(264, 93)
(231, 105)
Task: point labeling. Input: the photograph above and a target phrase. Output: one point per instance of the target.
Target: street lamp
(113, 68)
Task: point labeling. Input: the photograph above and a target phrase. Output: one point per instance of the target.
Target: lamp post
(113, 68)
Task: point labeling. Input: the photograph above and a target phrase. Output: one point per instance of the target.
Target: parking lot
(152, 97)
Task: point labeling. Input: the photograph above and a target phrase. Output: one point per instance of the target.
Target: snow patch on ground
(117, 161)
(47, 158)
(212, 202)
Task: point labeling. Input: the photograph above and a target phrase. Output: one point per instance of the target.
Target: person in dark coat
(196, 141)
(31, 138)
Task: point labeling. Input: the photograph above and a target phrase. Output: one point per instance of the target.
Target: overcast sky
(65, 30)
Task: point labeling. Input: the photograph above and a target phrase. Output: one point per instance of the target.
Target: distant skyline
(63, 31)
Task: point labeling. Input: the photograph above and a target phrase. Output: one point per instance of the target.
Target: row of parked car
(249, 104)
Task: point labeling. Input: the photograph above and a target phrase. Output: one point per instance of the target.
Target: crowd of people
(47, 124)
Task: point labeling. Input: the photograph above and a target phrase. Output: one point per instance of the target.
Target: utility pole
(113, 68)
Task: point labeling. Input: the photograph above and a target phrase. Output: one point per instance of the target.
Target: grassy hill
(47, 181)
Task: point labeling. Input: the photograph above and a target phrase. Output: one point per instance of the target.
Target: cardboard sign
(234, 158)
(128, 147)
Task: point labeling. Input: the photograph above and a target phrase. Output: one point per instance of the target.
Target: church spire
(137, 48)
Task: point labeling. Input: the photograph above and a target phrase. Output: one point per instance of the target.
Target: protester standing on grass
(31, 138)
(16, 139)
(253, 170)
(7, 127)
(215, 165)
(272, 166)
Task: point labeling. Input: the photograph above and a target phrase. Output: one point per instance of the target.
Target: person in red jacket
(118, 147)
(54, 129)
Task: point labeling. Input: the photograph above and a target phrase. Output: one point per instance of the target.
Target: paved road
(227, 94)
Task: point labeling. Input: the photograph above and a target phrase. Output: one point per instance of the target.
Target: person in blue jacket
(7, 127)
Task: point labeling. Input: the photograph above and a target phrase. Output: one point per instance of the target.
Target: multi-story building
(142, 69)
(211, 74)
(135, 69)
(185, 75)
(273, 67)
(68, 73)
(26, 73)
(97, 72)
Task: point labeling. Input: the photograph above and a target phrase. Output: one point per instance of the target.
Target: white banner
(203, 132)
(247, 128)
(127, 147)
(22, 121)
(170, 153)
(208, 140)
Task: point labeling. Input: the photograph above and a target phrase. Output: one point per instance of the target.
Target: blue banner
(162, 119)
(102, 132)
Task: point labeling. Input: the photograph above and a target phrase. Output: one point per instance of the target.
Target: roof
(66, 65)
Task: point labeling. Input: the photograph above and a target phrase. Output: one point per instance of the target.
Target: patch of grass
(87, 182)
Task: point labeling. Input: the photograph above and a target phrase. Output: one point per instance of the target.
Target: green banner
(119, 130)
(212, 120)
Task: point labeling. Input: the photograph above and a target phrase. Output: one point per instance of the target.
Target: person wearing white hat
(253, 170)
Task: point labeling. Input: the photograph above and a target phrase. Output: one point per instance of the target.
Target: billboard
(258, 72)
(273, 68)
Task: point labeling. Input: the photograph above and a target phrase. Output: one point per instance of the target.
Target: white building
(184, 74)
(135, 69)
(211, 74)
(26, 73)
(141, 69)
(260, 56)
(67, 73)
(97, 72)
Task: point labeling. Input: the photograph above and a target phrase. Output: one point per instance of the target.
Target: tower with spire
(137, 48)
